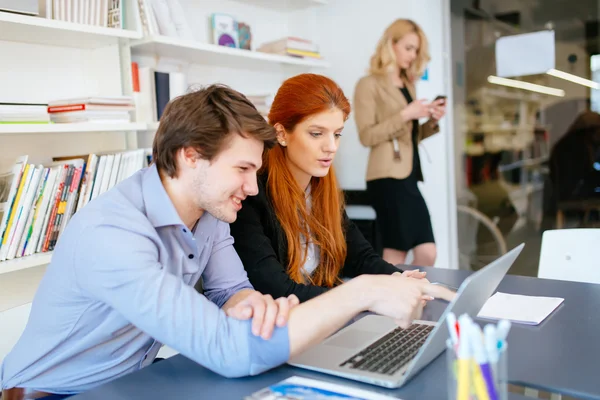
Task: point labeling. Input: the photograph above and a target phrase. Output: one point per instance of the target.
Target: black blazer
(261, 244)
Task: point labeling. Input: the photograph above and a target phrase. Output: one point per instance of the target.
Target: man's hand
(400, 297)
(265, 312)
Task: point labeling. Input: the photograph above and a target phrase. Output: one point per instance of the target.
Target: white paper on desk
(313, 389)
(529, 310)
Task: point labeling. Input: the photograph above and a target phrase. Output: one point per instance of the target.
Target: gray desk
(560, 355)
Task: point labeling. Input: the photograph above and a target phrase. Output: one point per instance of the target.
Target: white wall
(459, 83)
(349, 31)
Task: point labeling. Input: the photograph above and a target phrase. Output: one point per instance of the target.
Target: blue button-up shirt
(121, 283)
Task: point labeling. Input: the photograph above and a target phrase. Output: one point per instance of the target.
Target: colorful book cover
(225, 30)
(298, 388)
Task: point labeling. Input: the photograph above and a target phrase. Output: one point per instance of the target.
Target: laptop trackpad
(352, 339)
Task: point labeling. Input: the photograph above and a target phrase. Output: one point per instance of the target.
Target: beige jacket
(377, 107)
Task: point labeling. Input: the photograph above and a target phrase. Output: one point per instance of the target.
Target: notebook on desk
(375, 350)
(530, 310)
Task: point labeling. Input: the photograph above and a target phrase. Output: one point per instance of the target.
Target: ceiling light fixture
(573, 78)
(526, 86)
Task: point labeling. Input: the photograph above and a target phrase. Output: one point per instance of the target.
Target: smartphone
(441, 96)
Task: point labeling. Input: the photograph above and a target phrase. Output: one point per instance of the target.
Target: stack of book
(92, 109)
(292, 46)
(23, 113)
(108, 13)
(36, 202)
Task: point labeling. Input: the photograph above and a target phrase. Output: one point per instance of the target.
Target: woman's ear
(281, 134)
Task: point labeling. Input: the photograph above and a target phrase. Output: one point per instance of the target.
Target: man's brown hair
(205, 119)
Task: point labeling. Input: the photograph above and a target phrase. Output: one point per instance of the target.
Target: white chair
(12, 323)
(570, 255)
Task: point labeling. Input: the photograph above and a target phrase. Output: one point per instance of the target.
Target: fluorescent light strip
(573, 78)
(526, 86)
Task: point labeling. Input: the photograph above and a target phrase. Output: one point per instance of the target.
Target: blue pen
(481, 359)
(502, 332)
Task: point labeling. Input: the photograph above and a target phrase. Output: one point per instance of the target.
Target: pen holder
(467, 380)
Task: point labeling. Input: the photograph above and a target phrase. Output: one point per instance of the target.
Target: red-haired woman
(294, 237)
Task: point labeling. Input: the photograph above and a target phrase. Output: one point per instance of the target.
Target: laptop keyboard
(391, 352)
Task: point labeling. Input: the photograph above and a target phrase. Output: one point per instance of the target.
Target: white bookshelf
(21, 263)
(152, 126)
(285, 5)
(205, 53)
(37, 30)
(74, 127)
(18, 287)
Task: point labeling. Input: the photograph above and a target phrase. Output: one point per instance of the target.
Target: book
(9, 183)
(37, 202)
(297, 387)
(224, 30)
(289, 42)
(114, 100)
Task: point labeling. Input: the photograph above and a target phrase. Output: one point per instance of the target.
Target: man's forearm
(236, 298)
(314, 320)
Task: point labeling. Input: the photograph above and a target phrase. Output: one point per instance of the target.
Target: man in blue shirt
(121, 281)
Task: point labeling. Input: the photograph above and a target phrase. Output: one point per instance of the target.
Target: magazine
(298, 388)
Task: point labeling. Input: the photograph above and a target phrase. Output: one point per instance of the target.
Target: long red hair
(298, 98)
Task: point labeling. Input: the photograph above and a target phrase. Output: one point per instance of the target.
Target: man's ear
(188, 157)
(281, 134)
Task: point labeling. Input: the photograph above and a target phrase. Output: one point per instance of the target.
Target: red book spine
(135, 76)
(70, 107)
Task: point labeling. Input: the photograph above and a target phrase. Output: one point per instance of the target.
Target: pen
(491, 343)
(502, 332)
(452, 327)
(463, 385)
(484, 380)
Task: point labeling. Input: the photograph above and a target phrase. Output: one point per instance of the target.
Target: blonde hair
(384, 59)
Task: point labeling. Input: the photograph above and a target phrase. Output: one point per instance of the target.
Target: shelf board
(206, 53)
(285, 5)
(74, 127)
(152, 126)
(38, 30)
(21, 263)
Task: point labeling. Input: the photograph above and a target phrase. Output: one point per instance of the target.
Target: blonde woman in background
(387, 118)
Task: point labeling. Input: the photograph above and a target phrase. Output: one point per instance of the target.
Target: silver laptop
(375, 350)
